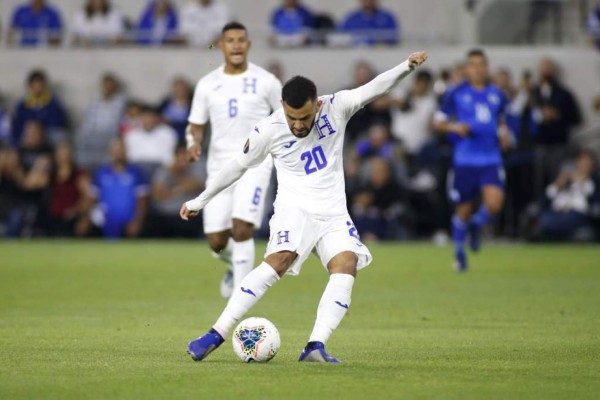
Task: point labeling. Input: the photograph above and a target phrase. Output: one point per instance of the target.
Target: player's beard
(303, 134)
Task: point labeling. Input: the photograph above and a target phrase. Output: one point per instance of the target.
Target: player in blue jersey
(472, 114)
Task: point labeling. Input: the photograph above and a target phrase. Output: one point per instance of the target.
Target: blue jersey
(482, 110)
(118, 191)
(36, 27)
(379, 26)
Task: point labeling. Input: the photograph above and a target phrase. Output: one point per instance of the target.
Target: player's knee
(343, 263)
(494, 206)
(281, 261)
(217, 243)
(242, 231)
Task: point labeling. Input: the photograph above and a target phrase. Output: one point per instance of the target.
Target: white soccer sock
(225, 254)
(333, 306)
(245, 296)
(242, 260)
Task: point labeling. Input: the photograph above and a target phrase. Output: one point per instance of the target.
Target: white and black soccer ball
(256, 339)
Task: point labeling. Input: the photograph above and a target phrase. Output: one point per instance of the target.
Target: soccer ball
(256, 339)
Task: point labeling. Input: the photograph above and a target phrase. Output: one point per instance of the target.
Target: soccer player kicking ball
(472, 114)
(233, 97)
(305, 139)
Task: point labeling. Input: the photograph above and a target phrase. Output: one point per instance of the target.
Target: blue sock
(459, 232)
(482, 217)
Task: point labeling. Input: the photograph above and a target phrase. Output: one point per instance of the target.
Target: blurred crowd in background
(126, 160)
(198, 23)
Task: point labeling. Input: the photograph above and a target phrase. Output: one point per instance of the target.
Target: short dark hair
(36, 75)
(298, 90)
(233, 25)
(477, 53)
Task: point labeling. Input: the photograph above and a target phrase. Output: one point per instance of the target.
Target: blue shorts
(465, 183)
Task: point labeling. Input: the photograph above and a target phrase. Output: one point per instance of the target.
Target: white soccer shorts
(295, 230)
(244, 200)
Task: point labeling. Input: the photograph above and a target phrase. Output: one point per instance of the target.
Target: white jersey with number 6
(233, 104)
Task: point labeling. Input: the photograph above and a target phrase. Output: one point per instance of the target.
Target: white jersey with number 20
(310, 170)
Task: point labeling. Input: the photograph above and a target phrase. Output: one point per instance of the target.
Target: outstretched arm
(253, 153)
(225, 178)
(356, 99)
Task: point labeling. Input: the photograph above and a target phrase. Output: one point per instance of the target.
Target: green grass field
(102, 320)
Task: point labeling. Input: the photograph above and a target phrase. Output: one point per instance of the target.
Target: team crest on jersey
(247, 146)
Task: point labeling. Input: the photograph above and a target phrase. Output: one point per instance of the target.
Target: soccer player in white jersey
(305, 139)
(233, 97)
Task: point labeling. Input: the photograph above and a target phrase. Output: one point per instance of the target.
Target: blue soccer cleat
(475, 237)
(201, 347)
(315, 352)
(460, 261)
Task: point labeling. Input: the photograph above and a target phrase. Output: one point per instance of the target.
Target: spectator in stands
(593, 25)
(36, 161)
(39, 104)
(175, 109)
(374, 112)
(371, 25)
(171, 185)
(153, 144)
(292, 23)
(98, 23)
(378, 143)
(67, 195)
(100, 124)
(120, 191)
(559, 114)
(132, 118)
(573, 201)
(202, 21)
(35, 24)
(378, 205)
(34, 145)
(521, 118)
(158, 24)
(412, 113)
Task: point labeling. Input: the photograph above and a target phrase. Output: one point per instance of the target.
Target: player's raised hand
(186, 213)
(416, 59)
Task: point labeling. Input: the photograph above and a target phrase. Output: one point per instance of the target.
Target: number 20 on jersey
(314, 159)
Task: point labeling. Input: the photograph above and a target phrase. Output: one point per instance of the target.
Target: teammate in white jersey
(233, 97)
(305, 139)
